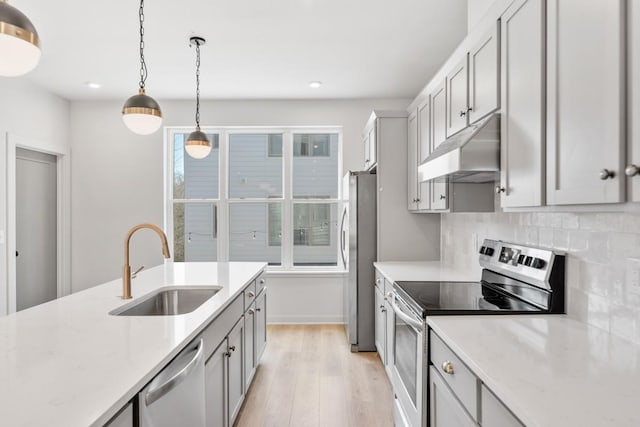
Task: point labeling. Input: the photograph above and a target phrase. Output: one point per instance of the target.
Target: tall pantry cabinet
(632, 169)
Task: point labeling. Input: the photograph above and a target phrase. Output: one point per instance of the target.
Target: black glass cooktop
(441, 298)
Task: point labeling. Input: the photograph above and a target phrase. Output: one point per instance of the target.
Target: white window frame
(223, 202)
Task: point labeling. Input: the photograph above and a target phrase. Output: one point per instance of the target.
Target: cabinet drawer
(462, 381)
(494, 413)
(249, 295)
(261, 283)
(221, 325)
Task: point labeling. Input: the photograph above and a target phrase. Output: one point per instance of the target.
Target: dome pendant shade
(19, 42)
(197, 145)
(141, 114)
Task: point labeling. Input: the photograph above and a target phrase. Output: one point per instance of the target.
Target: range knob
(538, 263)
(489, 251)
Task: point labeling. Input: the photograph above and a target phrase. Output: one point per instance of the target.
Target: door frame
(63, 166)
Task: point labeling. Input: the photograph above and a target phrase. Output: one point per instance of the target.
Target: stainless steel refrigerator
(358, 251)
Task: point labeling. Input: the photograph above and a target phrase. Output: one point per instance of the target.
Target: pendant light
(141, 113)
(198, 145)
(19, 42)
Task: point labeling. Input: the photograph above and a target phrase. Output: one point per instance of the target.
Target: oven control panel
(528, 263)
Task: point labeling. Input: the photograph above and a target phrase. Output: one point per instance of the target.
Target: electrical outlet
(633, 275)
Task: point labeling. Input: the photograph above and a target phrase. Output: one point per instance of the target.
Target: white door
(412, 162)
(457, 98)
(36, 228)
(522, 140)
(438, 135)
(484, 76)
(633, 115)
(424, 149)
(585, 101)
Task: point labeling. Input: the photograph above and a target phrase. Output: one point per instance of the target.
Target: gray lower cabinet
(124, 418)
(457, 397)
(380, 325)
(235, 376)
(215, 387)
(444, 409)
(249, 345)
(261, 324)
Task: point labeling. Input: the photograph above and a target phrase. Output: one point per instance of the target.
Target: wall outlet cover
(633, 275)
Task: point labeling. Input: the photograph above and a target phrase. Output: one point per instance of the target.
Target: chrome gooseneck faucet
(126, 270)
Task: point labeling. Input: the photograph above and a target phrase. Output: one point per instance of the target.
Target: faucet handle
(135, 273)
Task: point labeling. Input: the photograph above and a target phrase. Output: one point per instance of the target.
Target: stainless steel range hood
(472, 155)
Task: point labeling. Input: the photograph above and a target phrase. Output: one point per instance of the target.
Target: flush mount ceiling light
(93, 85)
(197, 145)
(19, 42)
(141, 113)
(315, 84)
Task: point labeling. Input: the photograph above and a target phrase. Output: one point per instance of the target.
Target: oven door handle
(417, 325)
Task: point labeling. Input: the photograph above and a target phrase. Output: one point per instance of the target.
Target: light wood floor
(308, 377)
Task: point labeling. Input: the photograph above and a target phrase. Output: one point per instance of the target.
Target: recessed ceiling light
(315, 84)
(93, 85)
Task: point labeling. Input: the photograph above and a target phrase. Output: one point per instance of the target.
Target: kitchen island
(69, 362)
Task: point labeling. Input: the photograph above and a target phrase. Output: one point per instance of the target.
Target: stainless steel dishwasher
(175, 397)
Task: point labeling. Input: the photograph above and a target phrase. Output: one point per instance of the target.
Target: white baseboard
(305, 320)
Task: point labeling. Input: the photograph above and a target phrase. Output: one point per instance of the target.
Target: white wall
(35, 116)
(118, 182)
(602, 250)
(475, 11)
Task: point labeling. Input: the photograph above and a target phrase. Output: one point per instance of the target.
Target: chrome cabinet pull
(607, 174)
(262, 281)
(500, 189)
(463, 113)
(251, 311)
(442, 197)
(258, 310)
(632, 170)
(232, 348)
(447, 367)
(251, 294)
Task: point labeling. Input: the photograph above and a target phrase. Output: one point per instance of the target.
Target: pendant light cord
(143, 64)
(197, 85)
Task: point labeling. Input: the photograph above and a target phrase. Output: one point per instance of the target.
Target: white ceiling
(256, 49)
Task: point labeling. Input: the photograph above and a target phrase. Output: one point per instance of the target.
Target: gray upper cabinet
(369, 138)
(633, 116)
(585, 101)
(484, 76)
(438, 200)
(412, 162)
(522, 177)
(457, 98)
(424, 149)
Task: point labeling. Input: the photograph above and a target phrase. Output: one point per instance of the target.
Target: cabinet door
(390, 331)
(249, 345)
(367, 160)
(633, 115)
(484, 76)
(261, 326)
(122, 419)
(215, 391)
(457, 98)
(412, 162)
(585, 94)
(235, 374)
(494, 413)
(444, 408)
(380, 325)
(438, 135)
(424, 149)
(373, 147)
(522, 141)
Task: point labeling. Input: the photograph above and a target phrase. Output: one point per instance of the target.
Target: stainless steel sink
(168, 301)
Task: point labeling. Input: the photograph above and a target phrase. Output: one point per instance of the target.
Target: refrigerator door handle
(343, 238)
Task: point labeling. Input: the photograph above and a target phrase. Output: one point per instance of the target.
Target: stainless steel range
(515, 279)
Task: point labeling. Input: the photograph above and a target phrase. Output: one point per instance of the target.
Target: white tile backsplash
(603, 254)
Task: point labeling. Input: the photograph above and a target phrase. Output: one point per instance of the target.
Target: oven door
(407, 364)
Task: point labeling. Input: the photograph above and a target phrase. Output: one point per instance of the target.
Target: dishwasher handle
(157, 392)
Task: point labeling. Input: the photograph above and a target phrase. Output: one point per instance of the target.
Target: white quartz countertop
(432, 271)
(549, 370)
(69, 363)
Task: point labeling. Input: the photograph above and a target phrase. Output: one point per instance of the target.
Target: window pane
(193, 178)
(255, 232)
(314, 234)
(195, 232)
(315, 166)
(254, 169)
